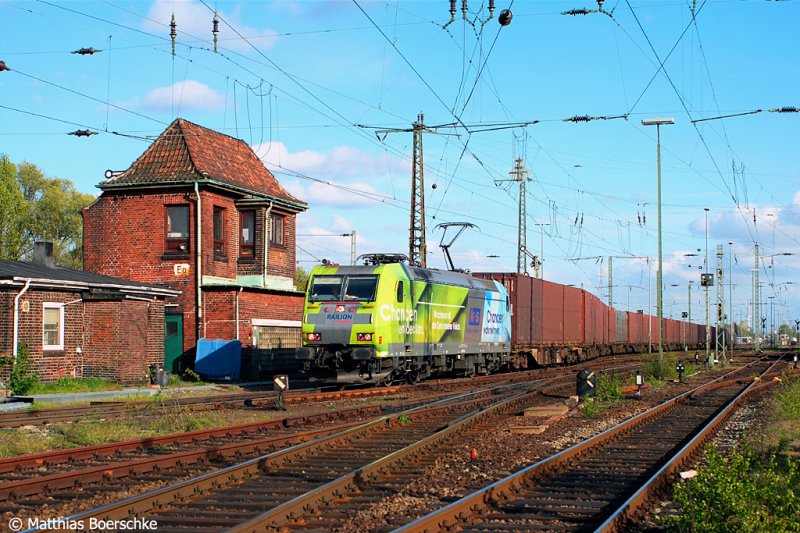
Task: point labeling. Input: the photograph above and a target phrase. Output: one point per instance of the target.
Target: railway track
(115, 409)
(603, 482)
(112, 409)
(215, 499)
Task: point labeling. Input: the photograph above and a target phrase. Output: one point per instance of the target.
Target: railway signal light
(281, 383)
(680, 369)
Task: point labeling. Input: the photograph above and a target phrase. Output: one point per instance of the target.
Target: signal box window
(247, 235)
(219, 231)
(177, 239)
(276, 228)
(53, 326)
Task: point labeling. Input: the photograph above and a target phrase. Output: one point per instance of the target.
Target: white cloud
(184, 95)
(351, 173)
(194, 21)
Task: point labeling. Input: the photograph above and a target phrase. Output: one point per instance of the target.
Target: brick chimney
(43, 254)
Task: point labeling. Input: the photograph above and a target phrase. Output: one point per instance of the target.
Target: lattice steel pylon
(519, 176)
(756, 304)
(417, 249)
(719, 341)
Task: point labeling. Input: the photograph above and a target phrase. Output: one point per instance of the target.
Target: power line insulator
(215, 31)
(778, 110)
(86, 51)
(82, 133)
(505, 17)
(173, 33)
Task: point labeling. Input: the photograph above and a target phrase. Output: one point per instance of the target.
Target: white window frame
(60, 307)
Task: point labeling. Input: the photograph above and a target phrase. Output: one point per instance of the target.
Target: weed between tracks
(609, 392)
(752, 489)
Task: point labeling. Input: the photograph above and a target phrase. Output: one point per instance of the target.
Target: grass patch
(150, 421)
(67, 384)
(656, 376)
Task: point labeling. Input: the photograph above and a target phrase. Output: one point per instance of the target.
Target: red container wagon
(621, 327)
(574, 318)
(611, 325)
(635, 329)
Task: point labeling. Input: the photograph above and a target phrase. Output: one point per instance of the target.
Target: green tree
(301, 276)
(50, 210)
(12, 211)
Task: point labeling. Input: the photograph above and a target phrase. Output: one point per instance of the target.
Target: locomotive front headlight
(313, 337)
(364, 337)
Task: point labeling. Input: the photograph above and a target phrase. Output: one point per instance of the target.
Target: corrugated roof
(9, 270)
(188, 152)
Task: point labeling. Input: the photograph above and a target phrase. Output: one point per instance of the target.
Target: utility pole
(520, 176)
(756, 304)
(706, 283)
(730, 297)
(540, 262)
(611, 282)
(720, 340)
(417, 250)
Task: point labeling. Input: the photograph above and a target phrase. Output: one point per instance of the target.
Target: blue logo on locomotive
(474, 316)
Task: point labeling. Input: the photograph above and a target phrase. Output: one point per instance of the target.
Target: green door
(173, 342)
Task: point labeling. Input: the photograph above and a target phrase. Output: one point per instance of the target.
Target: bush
(789, 401)
(743, 492)
(22, 379)
(609, 388)
(655, 376)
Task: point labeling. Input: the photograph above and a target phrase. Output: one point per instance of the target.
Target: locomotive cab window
(325, 288)
(399, 292)
(361, 288)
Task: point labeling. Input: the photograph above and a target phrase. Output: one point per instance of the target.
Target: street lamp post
(708, 321)
(540, 268)
(731, 321)
(658, 122)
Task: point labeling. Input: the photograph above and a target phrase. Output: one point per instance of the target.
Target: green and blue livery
(389, 321)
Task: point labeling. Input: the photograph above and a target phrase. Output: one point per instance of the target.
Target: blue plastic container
(219, 359)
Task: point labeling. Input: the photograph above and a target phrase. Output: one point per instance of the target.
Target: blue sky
(295, 79)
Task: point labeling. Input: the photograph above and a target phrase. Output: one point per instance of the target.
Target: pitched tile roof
(188, 152)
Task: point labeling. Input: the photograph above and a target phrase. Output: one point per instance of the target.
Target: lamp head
(657, 121)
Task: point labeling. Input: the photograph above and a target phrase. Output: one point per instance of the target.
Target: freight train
(387, 320)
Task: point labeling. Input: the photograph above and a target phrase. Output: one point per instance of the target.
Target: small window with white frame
(53, 326)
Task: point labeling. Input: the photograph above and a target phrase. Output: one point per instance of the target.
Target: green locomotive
(387, 320)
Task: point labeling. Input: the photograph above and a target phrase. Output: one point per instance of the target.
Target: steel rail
(246, 399)
(64, 480)
(189, 489)
(675, 464)
(285, 513)
(459, 511)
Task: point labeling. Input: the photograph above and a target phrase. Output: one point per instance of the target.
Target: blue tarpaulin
(218, 359)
